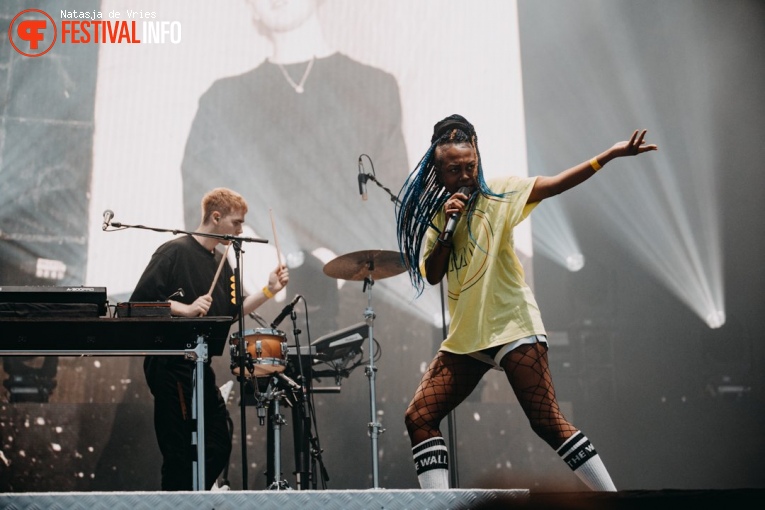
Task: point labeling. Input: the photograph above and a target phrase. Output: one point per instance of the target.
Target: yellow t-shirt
(490, 303)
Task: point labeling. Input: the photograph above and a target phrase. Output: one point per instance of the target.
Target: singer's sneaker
(217, 488)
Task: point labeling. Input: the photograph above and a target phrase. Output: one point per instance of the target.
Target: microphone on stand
(454, 218)
(362, 180)
(286, 311)
(363, 186)
(108, 215)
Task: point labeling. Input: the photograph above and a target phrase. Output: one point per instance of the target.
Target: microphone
(362, 180)
(363, 185)
(452, 223)
(108, 215)
(285, 311)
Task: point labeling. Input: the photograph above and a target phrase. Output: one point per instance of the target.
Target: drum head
(260, 332)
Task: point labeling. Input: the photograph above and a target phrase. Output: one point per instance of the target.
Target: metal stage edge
(372, 499)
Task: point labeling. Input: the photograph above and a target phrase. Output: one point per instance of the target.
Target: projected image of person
(191, 263)
(290, 133)
(495, 320)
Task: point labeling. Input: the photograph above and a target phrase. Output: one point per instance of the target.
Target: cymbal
(359, 265)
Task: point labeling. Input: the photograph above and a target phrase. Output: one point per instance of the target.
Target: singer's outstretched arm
(549, 186)
(457, 166)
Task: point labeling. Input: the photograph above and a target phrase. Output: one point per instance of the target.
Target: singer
(191, 263)
(495, 319)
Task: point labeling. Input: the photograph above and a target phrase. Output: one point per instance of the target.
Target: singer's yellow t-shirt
(490, 303)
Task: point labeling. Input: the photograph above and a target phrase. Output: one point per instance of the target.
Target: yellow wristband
(595, 165)
(267, 292)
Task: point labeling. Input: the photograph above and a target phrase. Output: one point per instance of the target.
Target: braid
(423, 195)
(420, 198)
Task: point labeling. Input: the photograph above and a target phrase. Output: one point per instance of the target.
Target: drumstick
(220, 267)
(276, 240)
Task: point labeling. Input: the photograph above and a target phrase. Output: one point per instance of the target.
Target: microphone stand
(225, 237)
(241, 358)
(302, 422)
(236, 241)
(393, 198)
(454, 478)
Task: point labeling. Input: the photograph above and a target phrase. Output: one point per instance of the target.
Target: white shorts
(494, 361)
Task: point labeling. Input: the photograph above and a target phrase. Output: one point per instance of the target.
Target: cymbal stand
(375, 428)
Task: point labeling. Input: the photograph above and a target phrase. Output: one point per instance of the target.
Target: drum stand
(375, 428)
(268, 392)
(276, 419)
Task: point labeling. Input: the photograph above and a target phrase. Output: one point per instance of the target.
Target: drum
(266, 352)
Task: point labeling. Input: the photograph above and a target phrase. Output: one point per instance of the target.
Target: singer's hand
(632, 147)
(455, 204)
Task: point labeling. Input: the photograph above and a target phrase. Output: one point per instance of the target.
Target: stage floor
(384, 499)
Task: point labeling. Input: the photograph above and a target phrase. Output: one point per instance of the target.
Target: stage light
(575, 262)
(671, 230)
(554, 237)
(727, 351)
(716, 319)
(662, 208)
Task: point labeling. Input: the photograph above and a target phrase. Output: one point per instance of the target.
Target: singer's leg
(450, 378)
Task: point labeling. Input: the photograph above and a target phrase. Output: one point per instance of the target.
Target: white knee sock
(582, 458)
(431, 460)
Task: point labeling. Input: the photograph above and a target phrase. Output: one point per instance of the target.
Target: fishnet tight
(450, 378)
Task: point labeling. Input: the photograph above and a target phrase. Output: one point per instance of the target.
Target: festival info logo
(32, 33)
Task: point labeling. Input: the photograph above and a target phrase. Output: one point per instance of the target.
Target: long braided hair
(423, 194)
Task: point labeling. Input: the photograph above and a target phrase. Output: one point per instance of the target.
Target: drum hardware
(301, 412)
(268, 403)
(366, 266)
(267, 358)
(282, 389)
(272, 382)
(265, 352)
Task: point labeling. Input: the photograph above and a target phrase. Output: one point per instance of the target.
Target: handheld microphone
(452, 223)
(108, 215)
(286, 311)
